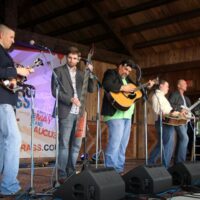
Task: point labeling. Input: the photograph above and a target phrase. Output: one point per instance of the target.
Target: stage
(44, 179)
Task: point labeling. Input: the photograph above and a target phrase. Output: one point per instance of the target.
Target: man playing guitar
(117, 116)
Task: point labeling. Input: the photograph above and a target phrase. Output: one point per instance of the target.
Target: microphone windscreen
(32, 42)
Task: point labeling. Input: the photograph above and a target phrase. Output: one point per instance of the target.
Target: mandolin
(174, 120)
(123, 100)
(15, 84)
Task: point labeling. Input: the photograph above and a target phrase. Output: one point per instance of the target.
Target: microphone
(38, 46)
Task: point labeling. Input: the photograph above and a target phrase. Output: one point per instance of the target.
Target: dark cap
(128, 62)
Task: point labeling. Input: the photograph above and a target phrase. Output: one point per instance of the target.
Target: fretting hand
(150, 83)
(90, 67)
(24, 71)
(127, 88)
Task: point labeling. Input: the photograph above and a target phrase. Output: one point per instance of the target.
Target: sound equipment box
(93, 184)
(147, 180)
(185, 174)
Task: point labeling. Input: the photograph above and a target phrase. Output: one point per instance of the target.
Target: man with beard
(118, 121)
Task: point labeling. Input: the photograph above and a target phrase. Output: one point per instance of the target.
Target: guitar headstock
(38, 62)
(152, 82)
(156, 81)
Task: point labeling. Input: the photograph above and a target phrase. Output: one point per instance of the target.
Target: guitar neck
(84, 91)
(140, 87)
(194, 105)
(33, 66)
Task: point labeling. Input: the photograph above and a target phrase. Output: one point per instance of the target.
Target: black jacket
(112, 82)
(7, 70)
(176, 101)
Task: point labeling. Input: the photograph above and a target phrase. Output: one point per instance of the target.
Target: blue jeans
(10, 142)
(168, 145)
(182, 143)
(119, 134)
(69, 146)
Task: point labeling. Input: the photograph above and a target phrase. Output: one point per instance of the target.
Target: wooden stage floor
(44, 177)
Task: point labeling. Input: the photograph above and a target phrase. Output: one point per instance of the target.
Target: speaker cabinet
(147, 180)
(185, 174)
(97, 184)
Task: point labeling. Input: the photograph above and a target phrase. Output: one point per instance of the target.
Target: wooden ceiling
(136, 28)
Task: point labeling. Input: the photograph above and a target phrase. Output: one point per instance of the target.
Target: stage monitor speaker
(185, 174)
(147, 180)
(96, 184)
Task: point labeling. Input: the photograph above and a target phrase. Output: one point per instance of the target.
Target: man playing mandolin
(10, 138)
(178, 101)
(118, 117)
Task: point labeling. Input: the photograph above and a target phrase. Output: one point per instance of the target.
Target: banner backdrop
(43, 103)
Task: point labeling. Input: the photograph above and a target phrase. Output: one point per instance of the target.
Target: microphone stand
(99, 150)
(57, 184)
(161, 131)
(145, 126)
(161, 138)
(194, 140)
(30, 92)
(58, 85)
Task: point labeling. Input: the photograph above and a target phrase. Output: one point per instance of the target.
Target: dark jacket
(66, 90)
(112, 82)
(176, 101)
(7, 70)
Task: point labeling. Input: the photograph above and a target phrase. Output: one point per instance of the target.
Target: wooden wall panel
(172, 56)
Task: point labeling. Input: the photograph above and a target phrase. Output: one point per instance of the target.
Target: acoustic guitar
(16, 84)
(123, 100)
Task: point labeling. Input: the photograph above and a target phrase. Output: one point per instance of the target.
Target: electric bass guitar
(15, 84)
(123, 100)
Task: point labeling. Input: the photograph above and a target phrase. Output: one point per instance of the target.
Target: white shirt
(72, 72)
(160, 103)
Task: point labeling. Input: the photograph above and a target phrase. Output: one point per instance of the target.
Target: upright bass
(82, 116)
